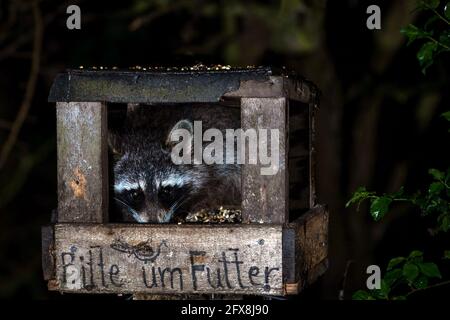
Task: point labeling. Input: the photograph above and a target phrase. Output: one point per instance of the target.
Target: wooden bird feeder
(279, 248)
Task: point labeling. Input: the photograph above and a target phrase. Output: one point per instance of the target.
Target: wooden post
(265, 197)
(82, 162)
(305, 249)
(47, 256)
(311, 245)
(313, 105)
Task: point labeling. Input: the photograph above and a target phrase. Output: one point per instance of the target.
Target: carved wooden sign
(245, 259)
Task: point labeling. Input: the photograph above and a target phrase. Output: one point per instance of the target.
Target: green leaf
(359, 195)
(392, 276)
(399, 193)
(431, 4)
(415, 254)
(413, 33)
(430, 22)
(426, 54)
(447, 10)
(430, 269)
(385, 289)
(377, 294)
(444, 39)
(438, 175)
(399, 298)
(447, 254)
(410, 271)
(362, 295)
(394, 262)
(445, 224)
(436, 188)
(380, 207)
(446, 115)
(421, 282)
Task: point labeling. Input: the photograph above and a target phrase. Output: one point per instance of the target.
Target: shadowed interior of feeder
(146, 185)
(299, 159)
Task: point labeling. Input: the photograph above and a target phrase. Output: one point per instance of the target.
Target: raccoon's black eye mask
(134, 198)
(170, 196)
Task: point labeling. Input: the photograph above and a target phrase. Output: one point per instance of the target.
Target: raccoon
(147, 186)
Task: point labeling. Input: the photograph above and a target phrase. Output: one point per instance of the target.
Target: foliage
(406, 275)
(412, 272)
(433, 201)
(435, 32)
(326, 41)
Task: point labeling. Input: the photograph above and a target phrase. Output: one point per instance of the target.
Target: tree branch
(440, 284)
(31, 86)
(344, 280)
(139, 22)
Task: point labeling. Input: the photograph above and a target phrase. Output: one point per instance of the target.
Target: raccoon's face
(153, 189)
(148, 186)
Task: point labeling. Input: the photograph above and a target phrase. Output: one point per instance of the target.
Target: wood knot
(78, 184)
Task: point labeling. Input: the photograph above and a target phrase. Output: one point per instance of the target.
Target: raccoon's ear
(115, 144)
(179, 129)
(117, 122)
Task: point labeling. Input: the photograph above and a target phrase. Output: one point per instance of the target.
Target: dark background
(378, 124)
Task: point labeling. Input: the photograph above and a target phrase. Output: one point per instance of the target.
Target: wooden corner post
(265, 197)
(82, 162)
(313, 105)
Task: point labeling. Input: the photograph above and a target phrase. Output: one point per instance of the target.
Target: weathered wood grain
(268, 88)
(82, 161)
(265, 197)
(274, 87)
(48, 259)
(112, 258)
(313, 106)
(311, 245)
(168, 259)
(298, 89)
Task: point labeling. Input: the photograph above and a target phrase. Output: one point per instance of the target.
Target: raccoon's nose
(165, 216)
(143, 218)
(153, 214)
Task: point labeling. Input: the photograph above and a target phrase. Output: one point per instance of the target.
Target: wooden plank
(151, 86)
(313, 105)
(48, 261)
(298, 89)
(82, 162)
(311, 245)
(169, 259)
(146, 296)
(177, 86)
(289, 260)
(274, 87)
(269, 88)
(265, 197)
